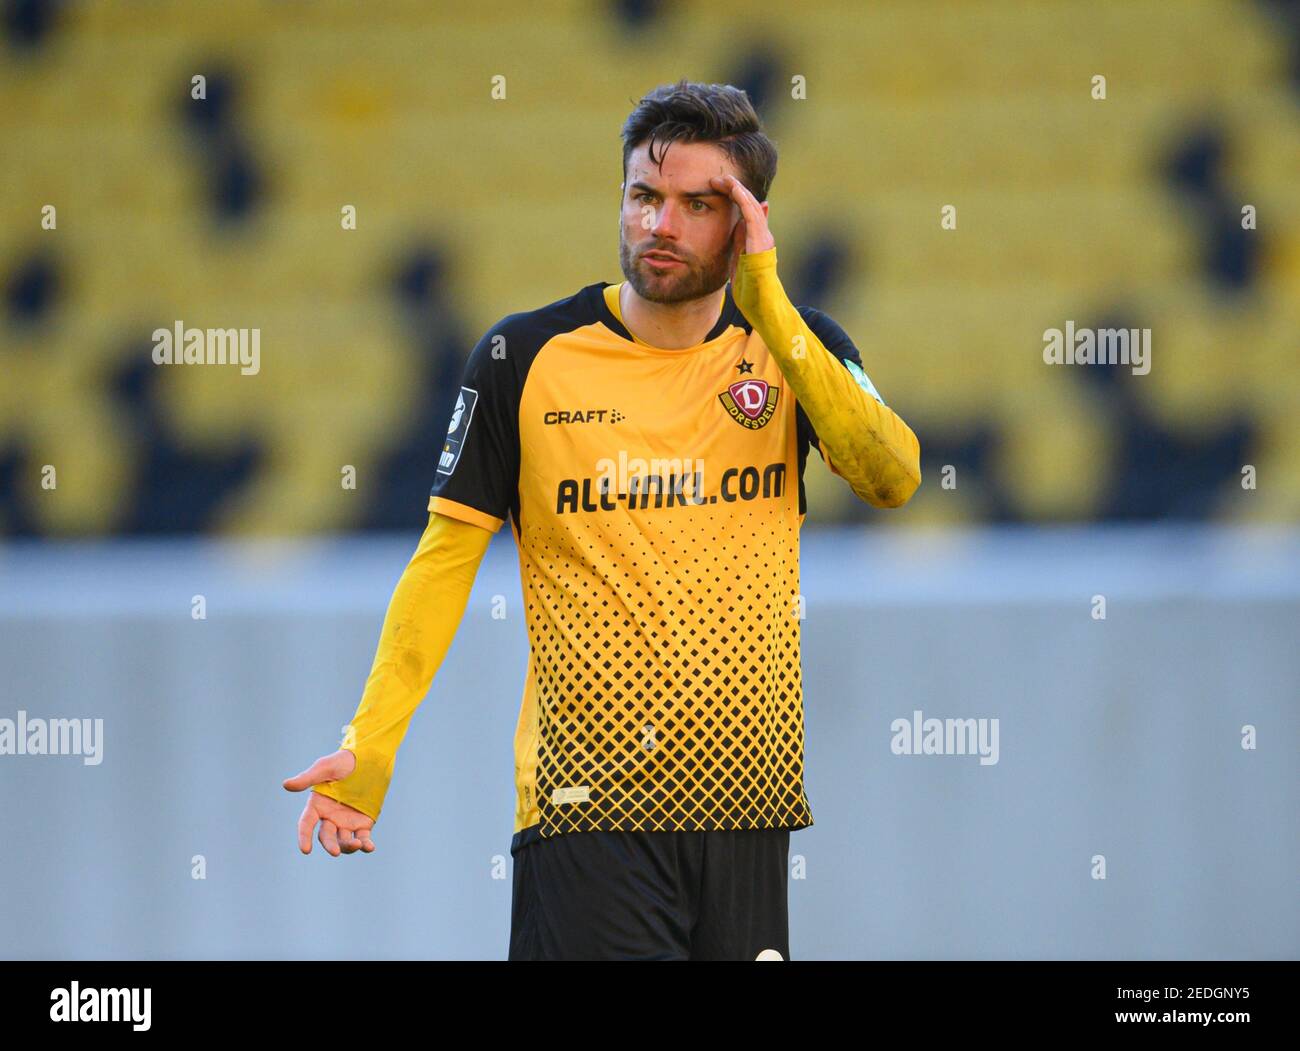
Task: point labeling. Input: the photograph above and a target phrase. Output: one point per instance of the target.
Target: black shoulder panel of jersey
(479, 462)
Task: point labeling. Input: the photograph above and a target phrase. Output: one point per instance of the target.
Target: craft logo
(750, 403)
(559, 417)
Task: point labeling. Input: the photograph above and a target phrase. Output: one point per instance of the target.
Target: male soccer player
(646, 441)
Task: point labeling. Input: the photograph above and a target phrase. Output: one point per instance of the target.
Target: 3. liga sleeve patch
(457, 430)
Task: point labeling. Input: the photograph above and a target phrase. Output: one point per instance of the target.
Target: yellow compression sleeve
(423, 615)
(864, 442)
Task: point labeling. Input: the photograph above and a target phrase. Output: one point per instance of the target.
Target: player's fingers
(306, 825)
(738, 247)
(748, 202)
(749, 206)
(367, 844)
(328, 837)
(753, 220)
(348, 842)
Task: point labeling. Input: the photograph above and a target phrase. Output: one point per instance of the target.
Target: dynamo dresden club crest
(750, 403)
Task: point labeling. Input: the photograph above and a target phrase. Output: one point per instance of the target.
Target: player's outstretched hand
(343, 829)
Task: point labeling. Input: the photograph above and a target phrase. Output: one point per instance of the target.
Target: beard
(692, 281)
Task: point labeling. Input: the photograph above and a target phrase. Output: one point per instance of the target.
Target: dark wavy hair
(718, 113)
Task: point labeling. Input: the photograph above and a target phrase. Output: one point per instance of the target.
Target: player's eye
(644, 195)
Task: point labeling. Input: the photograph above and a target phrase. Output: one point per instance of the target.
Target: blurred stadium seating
(225, 212)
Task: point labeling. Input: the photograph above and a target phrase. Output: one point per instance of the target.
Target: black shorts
(651, 896)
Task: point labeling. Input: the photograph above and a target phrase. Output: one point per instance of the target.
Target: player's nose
(664, 225)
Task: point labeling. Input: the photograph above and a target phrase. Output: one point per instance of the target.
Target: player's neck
(670, 326)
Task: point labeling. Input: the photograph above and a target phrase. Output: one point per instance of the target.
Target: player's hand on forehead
(758, 237)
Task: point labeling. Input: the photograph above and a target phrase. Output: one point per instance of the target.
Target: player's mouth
(662, 260)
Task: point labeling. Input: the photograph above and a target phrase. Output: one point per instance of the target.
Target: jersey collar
(729, 315)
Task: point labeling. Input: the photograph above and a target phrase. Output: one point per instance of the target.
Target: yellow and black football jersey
(656, 498)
